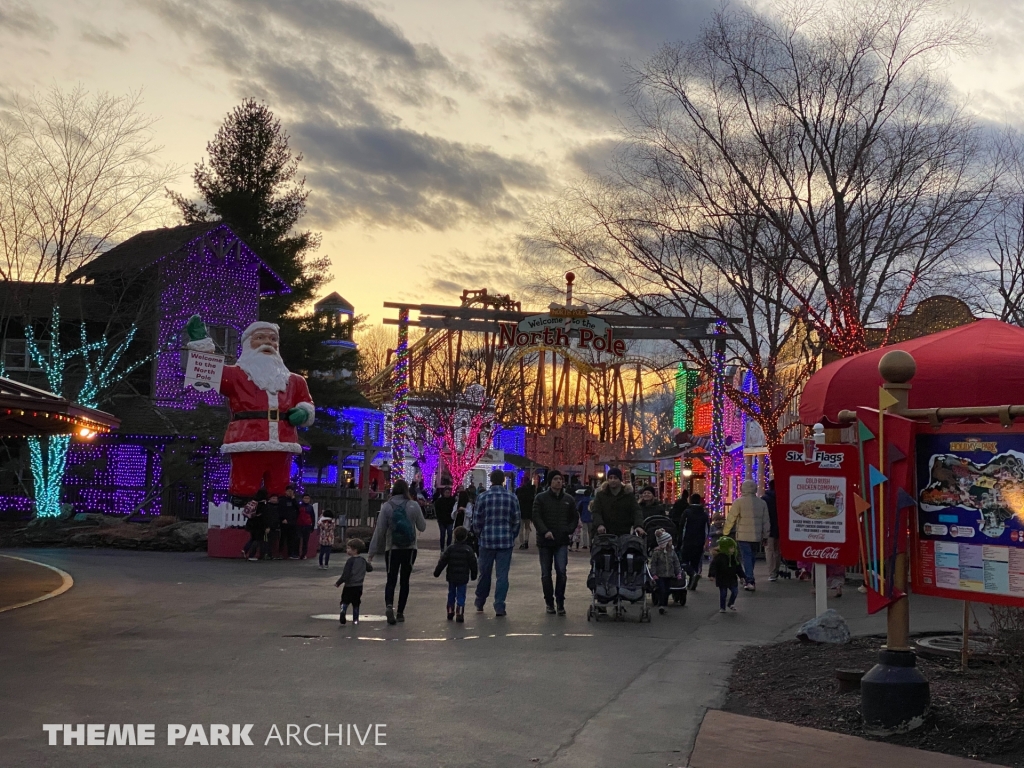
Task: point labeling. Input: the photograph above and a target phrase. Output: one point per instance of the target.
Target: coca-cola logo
(822, 553)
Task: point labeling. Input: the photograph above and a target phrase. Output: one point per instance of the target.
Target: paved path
(24, 582)
(181, 638)
(761, 743)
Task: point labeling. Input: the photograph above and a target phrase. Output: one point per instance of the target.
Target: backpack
(402, 533)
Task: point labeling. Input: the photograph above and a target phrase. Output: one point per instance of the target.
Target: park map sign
(555, 329)
(969, 534)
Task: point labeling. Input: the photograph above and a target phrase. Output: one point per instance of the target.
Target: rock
(163, 520)
(830, 627)
(189, 535)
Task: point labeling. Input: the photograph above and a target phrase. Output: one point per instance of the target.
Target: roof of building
(147, 248)
(336, 303)
(37, 300)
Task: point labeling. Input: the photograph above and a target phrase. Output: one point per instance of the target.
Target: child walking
(726, 570)
(325, 530)
(352, 577)
(664, 567)
(460, 560)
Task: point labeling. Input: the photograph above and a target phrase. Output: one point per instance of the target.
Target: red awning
(972, 365)
(25, 410)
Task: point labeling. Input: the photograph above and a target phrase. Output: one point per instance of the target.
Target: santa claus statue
(267, 404)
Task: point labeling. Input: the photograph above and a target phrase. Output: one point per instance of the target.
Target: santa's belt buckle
(272, 414)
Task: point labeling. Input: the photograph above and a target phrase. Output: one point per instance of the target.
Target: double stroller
(618, 576)
(677, 590)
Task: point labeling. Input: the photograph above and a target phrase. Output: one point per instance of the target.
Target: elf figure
(267, 403)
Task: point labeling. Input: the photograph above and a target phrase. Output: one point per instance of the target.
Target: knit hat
(647, 488)
(726, 545)
(615, 472)
(663, 537)
(552, 475)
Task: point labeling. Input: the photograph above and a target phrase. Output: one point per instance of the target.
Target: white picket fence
(224, 515)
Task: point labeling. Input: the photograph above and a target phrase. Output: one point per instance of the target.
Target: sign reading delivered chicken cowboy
(814, 489)
(969, 534)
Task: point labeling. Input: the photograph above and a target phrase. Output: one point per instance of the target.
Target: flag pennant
(895, 454)
(861, 504)
(885, 400)
(877, 478)
(904, 500)
(863, 433)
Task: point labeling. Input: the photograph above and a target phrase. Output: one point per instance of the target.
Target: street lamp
(687, 472)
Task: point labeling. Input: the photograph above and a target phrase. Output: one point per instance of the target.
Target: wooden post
(965, 651)
(820, 588)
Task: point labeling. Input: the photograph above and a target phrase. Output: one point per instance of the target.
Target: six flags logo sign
(555, 330)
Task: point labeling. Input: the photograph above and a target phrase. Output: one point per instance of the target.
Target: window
(17, 357)
(225, 338)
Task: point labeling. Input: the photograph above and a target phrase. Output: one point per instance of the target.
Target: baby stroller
(618, 576)
(651, 525)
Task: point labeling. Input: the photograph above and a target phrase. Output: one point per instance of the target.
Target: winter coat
(665, 563)
(460, 560)
(526, 494)
(289, 510)
(773, 514)
(618, 513)
(652, 509)
(381, 541)
(306, 515)
(444, 510)
(257, 524)
(557, 514)
(354, 573)
(583, 507)
(694, 526)
(726, 570)
(325, 529)
(748, 516)
(272, 515)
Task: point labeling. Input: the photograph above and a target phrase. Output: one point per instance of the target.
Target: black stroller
(618, 576)
(651, 525)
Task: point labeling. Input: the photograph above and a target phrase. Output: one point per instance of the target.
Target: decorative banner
(815, 498)
(969, 528)
(203, 371)
(883, 526)
(557, 328)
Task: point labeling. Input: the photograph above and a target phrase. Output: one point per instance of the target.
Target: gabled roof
(147, 248)
(334, 303)
(26, 410)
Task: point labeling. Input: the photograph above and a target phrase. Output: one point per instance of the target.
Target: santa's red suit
(259, 439)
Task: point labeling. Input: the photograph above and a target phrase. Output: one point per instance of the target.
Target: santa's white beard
(267, 371)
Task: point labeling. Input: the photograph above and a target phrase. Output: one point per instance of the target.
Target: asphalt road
(183, 639)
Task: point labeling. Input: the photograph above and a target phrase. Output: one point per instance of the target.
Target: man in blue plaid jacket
(496, 521)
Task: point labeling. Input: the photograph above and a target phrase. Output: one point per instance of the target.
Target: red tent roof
(981, 363)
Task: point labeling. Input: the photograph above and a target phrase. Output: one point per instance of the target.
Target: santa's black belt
(272, 414)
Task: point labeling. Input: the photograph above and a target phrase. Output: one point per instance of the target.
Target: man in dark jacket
(614, 507)
(290, 524)
(272, 519)
(694, 526)
(526, 494)
(444, 511)
(771, 550)
(555, 518)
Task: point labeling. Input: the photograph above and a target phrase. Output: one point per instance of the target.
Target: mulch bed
(973, 715)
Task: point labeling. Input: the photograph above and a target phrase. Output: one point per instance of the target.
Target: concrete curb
(66, 583)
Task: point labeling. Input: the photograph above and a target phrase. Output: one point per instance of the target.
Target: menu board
(969, 535)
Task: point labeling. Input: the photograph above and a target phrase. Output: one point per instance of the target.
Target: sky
(431, 130)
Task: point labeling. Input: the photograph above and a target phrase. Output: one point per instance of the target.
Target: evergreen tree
(250, 182)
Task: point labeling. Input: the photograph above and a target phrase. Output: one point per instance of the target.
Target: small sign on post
(203, 371)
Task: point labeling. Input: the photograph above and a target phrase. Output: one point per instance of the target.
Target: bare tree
(78, 173)
(831, 120)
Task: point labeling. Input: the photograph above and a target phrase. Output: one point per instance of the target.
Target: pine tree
(250, 181)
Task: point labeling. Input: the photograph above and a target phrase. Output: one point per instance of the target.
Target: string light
(400, 418)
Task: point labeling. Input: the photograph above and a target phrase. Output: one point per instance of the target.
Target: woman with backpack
(395, 536)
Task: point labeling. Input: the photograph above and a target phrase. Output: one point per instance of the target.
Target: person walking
(460, 562)
(555, 518)
(395, 536)
(771, 550)
(726, 570)
(289, 506)
(305, 520)
(256, 525)
(694, 526)
(325, 528)
(526, 493)
(664, 568)
(649, 504)
(615, 509)
(748, 521)
(444, 511)
(586, 495)
(496, 523)
(352, 577)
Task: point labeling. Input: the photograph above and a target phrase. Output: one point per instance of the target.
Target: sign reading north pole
(203, 371)
(814, 493)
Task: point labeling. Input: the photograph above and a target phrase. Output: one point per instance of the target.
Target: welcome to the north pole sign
(557, 327)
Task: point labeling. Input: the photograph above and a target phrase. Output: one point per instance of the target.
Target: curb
(66, 583)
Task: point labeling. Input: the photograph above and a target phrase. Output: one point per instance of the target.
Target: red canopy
(981, 363)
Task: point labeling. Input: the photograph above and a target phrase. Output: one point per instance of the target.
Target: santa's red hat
(259, 325)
